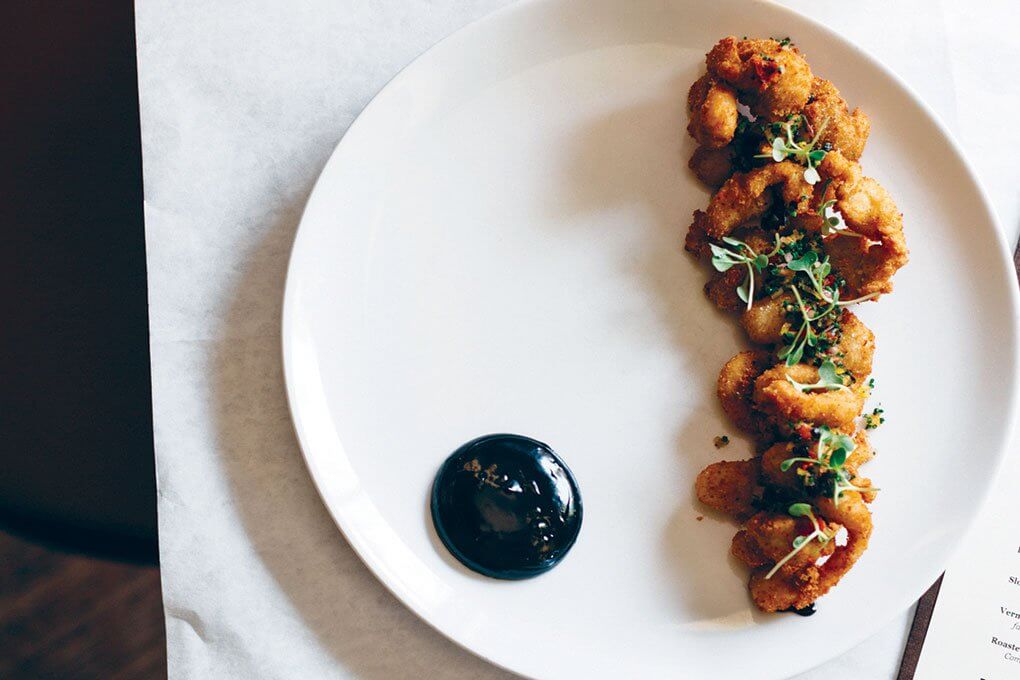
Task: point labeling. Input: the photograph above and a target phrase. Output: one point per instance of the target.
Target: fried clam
(801, 581)
(729, 486)
(770, 76)
(744, 197)
(767, 320)
(792, 478)
(775, 395)
(712, 166)
(873, 247)
(843, 130)
(712, 106)
(721, 289)
(735, 388)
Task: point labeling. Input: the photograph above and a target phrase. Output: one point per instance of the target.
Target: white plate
(495, 247)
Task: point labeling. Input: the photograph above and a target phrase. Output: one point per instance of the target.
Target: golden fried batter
(772, 78)
(847, 132)
(856, 347)
(736, 385)
(765, 320)
(778, 397)
(729, 486)
(744, 197)
(712, 166)
(867, 263)
(713, 112)
(801, 581)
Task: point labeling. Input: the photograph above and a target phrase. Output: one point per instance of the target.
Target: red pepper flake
(765, 71)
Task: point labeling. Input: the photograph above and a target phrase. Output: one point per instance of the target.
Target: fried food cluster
(795, 234)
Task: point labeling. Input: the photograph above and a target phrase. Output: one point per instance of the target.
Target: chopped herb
(724, 259)
(830, 456)
(785, 145)
(874, 419)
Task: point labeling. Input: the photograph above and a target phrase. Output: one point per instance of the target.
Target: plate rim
(1007, 433)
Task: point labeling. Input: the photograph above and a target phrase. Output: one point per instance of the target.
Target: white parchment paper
(241, 104)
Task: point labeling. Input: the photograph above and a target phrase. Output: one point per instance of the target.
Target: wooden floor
(70, 617)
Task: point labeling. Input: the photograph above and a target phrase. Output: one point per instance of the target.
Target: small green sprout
(802, 510)
(723, 259)
(784, 146)
(833, 450)
(829, 379)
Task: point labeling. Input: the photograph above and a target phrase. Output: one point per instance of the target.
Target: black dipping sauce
(506, 506)
(804, 611)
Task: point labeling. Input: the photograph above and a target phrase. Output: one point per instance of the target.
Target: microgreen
(833, 223)
(830, 457)
(829, 379)
(724, 259)
(785, 145)
(802, 510)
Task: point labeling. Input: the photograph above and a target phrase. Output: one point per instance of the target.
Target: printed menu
(974, 633)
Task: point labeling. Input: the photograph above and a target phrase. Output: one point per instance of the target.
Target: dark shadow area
(75, 396)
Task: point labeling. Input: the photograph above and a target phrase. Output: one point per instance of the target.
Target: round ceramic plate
(495, 246)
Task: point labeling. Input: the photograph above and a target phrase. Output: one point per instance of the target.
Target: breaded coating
(729, 486)
(856, 346)
(773, 79)
(746, 549)
(867, 263)
(745, 196)
(778, 397)
(713, 112)
(721, 289)
(736, 386)
(847, 132)
(770, 462)
(712, 166)
(765, 320)
(797, 586)
(774, 533)
(862, 453)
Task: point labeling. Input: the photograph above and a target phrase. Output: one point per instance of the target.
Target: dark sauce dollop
(506, 506)
(803, 611)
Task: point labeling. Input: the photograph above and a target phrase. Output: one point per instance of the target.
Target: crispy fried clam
(713, 112)
(729, 486)
(772, 78)
(772, 458)
(839, 239)
(856, 346)
(801, 581)
(775, 395)
(744, 197)
(712, 166)
(874, 251)
(846, 131)
(765, 320)
(736, 386)
(721, 289)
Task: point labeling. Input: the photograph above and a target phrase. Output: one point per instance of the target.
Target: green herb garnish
(802, 510)
(833, 450)
(723, 259)
(829, 379)
(785, 145)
